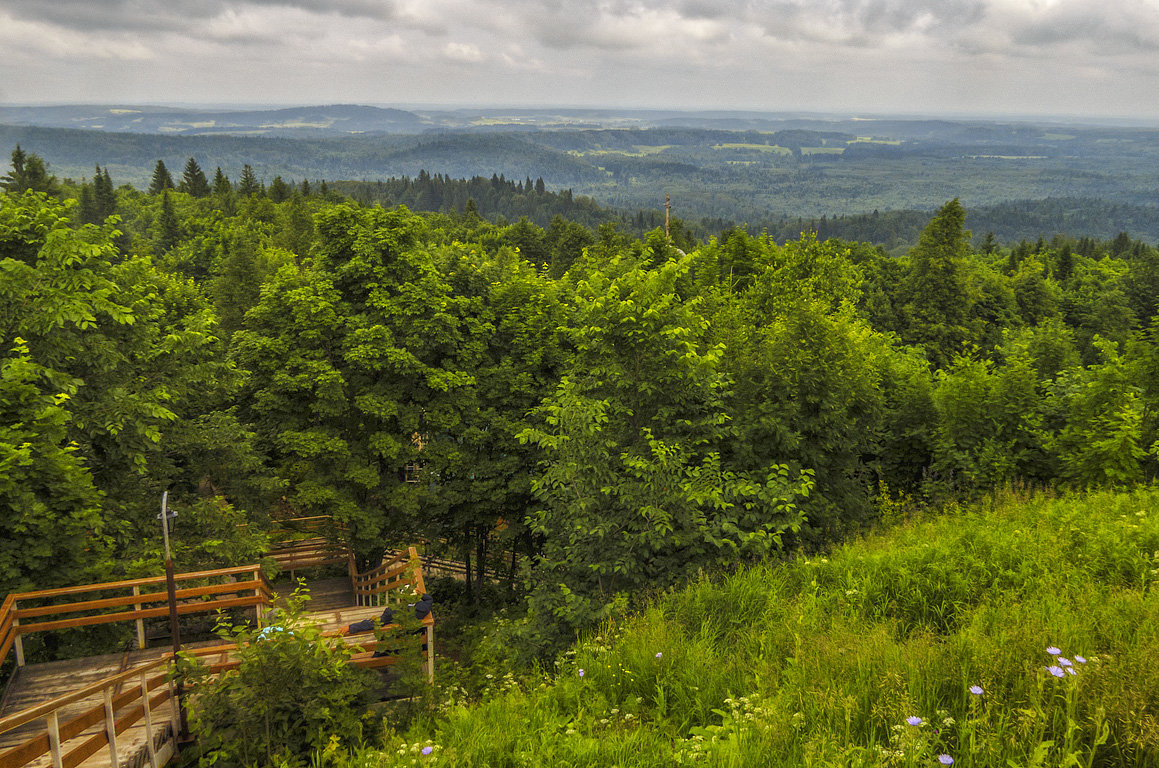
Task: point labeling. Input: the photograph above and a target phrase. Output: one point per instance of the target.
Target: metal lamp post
(171, 587)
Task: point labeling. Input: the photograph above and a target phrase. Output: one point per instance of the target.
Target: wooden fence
(110, 602)
(65, 740)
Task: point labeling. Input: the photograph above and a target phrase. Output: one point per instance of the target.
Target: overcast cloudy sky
(1077, 57)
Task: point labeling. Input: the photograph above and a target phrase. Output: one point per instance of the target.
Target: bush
(292, 691)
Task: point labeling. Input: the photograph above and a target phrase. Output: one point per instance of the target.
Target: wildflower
(1063, 662)
(581, 672)
(976, 690)
(1056, 671)
(1071, 670)
(914, 720)
(428, 750)
(1053, 651)
(659, 654)
(1080, 659)
(945, 760)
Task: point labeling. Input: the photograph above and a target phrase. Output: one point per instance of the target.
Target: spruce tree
(168, 227)
(279, 190)
(87, 210)
(104, 195)
(161, 179)
(193, 181)
(29, 172)
(14, 180)
(249, 182)
(221, 185)
(936, 287)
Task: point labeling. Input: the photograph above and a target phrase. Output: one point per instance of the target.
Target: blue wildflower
(1053, 651)
(914, 720)
(945, 760)
(1054, 670)
(976, 690)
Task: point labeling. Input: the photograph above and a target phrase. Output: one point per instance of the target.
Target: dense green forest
(623, 412)
(761, 172)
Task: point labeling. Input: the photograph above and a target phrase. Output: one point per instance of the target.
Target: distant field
(758, 147)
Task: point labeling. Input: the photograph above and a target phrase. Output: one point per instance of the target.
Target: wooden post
(140, 622)
(149, 746)
(18, 641)
(111, 727)
(54, 740)
(430, 653)
(176, 709)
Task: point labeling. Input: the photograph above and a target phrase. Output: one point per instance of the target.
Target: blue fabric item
(424, 606)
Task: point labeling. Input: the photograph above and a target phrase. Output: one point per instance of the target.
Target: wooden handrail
(128, 707)
(81, 589)
(149, 597)
(14, 624)
(40, 710)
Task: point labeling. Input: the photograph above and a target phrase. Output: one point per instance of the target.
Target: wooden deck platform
(38, 683)
(78, 712)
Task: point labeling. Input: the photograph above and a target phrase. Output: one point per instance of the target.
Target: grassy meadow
(1023, 631)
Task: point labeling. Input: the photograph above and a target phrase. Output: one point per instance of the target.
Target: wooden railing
(398, 576)
(71, 741)
(66, 741)
(309, 542)
(47, 614)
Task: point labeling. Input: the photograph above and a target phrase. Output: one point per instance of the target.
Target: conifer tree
(15, 177)
(29, 172)
(104, 195)
(193, 181)
(221, 185)
(936, 287)
(249, 182)
(87, 210)
(161, 179)
(279, 190)
(168, 227)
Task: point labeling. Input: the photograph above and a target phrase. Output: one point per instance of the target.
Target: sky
(992, 57)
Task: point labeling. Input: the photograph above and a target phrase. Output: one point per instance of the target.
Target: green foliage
(51, 519)
(292, 691)
(938, 298)
(353, 358)
(29, 174)
(821, 660)
(1098, 416)
(193, 181)
(634, 491)
(162, 180)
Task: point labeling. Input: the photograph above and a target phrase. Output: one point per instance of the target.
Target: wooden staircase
(90, 712)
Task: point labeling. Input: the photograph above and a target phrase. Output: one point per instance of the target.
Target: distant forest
(876, 181)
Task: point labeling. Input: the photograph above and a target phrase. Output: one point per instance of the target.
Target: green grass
(819, 661)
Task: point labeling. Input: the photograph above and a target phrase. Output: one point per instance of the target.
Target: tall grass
(820, 661)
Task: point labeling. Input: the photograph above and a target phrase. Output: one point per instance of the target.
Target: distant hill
(332, 120)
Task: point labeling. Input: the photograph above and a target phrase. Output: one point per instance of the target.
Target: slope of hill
(1021, 632)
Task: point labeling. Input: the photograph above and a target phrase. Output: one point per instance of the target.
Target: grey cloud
(162, 15)
(1108, 33)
